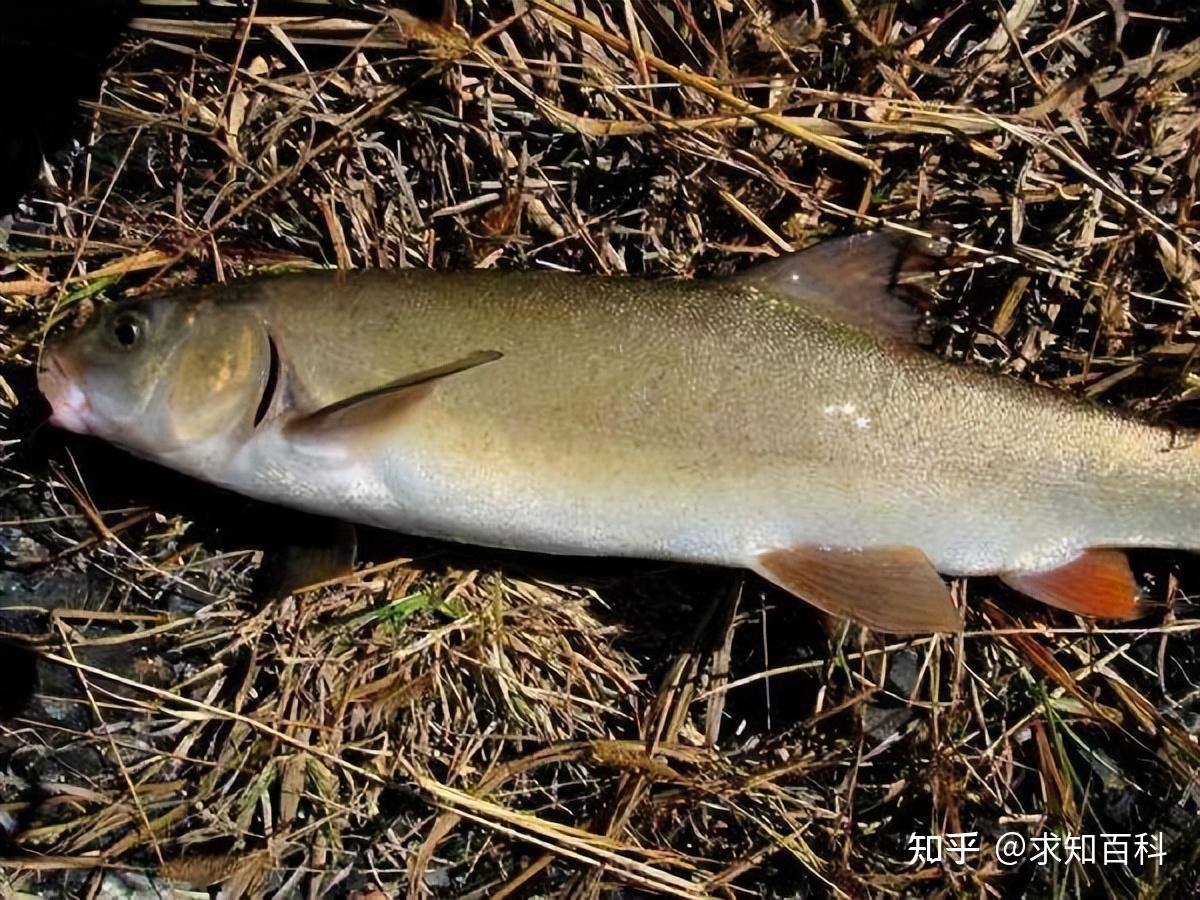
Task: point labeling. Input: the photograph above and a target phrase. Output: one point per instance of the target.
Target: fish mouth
(69, 405)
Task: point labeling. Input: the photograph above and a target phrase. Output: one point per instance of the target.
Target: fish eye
(127, 330)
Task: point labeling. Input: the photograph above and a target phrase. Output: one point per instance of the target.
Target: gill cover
(221, 373)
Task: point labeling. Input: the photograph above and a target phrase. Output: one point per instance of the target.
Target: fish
(782, 420)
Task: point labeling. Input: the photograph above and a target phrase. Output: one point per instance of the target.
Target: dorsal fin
(853, 279)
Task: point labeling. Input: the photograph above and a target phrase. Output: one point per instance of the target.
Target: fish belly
(616, 502)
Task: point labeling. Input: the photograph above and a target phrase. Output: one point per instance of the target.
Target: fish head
(161, 377)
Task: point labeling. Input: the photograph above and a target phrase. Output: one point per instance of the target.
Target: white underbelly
(724, 521)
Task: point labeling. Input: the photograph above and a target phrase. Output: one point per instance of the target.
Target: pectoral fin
(892, 589)
(1098, 583)
(372, 413)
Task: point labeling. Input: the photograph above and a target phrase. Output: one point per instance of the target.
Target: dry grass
(459, 723)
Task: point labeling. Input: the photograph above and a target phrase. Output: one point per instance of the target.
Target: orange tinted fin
(1098, 583)
(894, 589)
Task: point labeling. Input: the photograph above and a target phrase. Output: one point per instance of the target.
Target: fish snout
(59, 384)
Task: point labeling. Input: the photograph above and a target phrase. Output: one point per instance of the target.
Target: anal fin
(1098, 583)
(891, 589)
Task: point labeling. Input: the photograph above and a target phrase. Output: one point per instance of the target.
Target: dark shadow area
(18, 665)
(52, 55)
